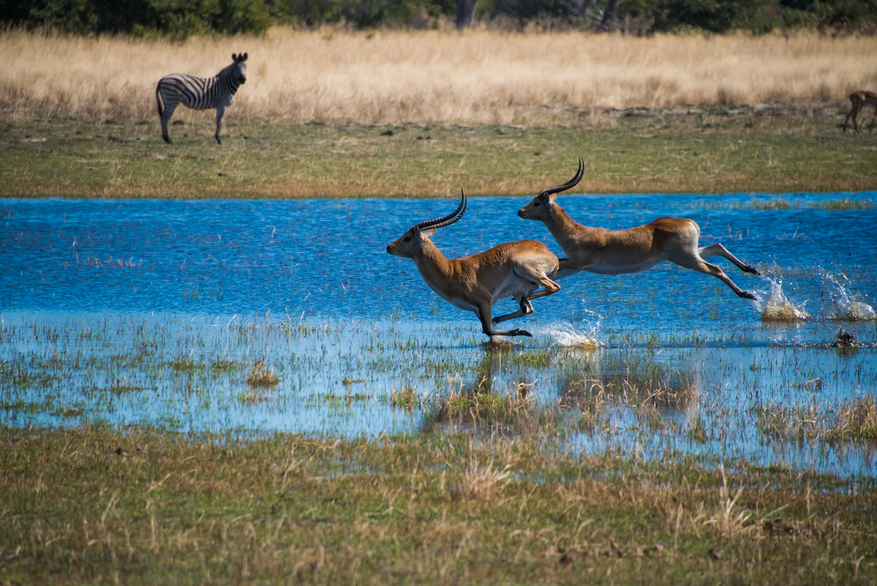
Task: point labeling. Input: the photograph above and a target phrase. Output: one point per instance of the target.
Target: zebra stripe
(200, 93)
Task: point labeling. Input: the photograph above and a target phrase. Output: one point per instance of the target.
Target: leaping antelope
(475, 283)
(615, 252)
(859, 100)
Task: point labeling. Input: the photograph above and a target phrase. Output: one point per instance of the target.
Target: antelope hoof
(520, 333)
(752, 270)
(167, 139)
(748, 295)
(219, 140)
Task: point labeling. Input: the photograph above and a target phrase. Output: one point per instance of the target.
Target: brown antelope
(475, 283)
(614, 252)
(859, 100)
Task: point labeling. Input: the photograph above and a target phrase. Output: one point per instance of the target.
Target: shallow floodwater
(158, 312)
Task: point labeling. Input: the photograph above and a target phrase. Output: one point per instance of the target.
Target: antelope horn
(446, 220)
(571, 183)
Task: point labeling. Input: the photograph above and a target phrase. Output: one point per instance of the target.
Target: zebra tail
(158, 99)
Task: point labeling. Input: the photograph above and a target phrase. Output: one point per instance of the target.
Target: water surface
(153, 312)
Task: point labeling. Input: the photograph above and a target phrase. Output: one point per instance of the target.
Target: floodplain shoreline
(780, 148)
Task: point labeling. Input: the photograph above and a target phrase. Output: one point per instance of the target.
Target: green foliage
(361, 13)
(175, 18)
(756, 16)
(524, 10)
(181, 18)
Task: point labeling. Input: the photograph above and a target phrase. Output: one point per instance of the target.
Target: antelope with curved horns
(614, 252)
(475, 283)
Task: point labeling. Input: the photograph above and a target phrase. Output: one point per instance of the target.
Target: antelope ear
(548, 199)
(427, 234)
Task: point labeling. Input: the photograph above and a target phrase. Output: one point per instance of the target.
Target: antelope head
(412, 242)
(538, 208)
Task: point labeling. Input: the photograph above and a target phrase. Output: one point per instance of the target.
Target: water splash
(570, 336)
(844, 303)
(777, 307)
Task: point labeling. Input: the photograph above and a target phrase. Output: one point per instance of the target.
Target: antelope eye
(408, 239)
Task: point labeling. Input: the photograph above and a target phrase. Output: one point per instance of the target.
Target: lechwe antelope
(614, 252)
(475, 283)
(859, 100)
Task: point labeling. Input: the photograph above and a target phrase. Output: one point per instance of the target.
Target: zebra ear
(234, 57)
(244, 57)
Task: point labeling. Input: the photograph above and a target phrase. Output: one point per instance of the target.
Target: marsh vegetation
(232, 390)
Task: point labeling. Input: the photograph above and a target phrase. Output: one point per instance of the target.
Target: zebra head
(239, 68)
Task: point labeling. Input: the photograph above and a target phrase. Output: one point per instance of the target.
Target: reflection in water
(166, 313)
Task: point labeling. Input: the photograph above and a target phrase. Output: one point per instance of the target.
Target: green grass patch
(94, 505)
(781, 149)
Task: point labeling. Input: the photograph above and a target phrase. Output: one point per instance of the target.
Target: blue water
(328, 259)
(207, 270)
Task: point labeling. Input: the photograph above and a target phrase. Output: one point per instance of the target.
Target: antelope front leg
(526, 309)
(854, 114)
(484, 314)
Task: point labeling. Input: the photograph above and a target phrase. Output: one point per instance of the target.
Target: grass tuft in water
(260, 376)
(844, 204)
(405, 398)
(854, 420)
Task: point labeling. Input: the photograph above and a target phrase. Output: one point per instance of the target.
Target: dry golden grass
(431, 77)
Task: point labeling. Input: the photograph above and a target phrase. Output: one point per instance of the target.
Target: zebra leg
(220, 110)
(169, 108)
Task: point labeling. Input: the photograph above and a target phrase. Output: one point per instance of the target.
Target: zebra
(199, 93)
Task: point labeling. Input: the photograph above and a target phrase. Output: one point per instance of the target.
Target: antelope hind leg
(719, 250)
(701, 266)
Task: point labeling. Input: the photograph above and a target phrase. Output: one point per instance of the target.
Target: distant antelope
(859, 100)
(614, 252)
(475, 283)
(200, 93)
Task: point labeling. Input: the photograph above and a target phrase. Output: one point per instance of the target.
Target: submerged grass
(425, 509)
(842, 204)
(850, 420)
(524, 464)
(261, 375)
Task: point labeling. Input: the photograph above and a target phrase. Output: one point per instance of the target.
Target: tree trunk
(465, 12)
(609, 15)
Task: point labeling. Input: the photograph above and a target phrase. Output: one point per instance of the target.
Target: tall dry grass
(432, 77)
